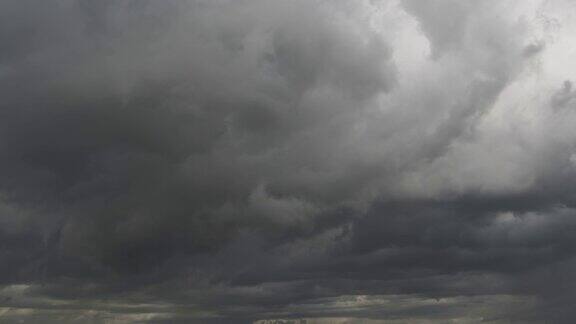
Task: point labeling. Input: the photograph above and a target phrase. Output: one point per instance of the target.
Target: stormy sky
(287, 161)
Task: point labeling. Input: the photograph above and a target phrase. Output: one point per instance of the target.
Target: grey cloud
(444, 22)
(236, 161)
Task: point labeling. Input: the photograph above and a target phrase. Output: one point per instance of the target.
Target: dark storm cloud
(236, 161)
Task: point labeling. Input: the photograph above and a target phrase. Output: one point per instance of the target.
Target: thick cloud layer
(257, 161)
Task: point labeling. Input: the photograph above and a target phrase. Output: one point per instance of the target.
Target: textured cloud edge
(257, 161)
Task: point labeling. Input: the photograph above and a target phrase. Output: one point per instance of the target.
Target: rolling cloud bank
(312, 161)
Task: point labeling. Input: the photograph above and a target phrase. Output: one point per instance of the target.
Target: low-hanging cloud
(258, 161)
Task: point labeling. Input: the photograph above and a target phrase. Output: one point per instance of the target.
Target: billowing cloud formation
(266, 161)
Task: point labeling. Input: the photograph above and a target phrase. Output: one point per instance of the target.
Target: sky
(287, 161)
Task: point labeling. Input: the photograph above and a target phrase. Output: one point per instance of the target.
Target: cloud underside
(267, 161)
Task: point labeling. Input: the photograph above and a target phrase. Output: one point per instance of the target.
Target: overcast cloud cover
(316, 161)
